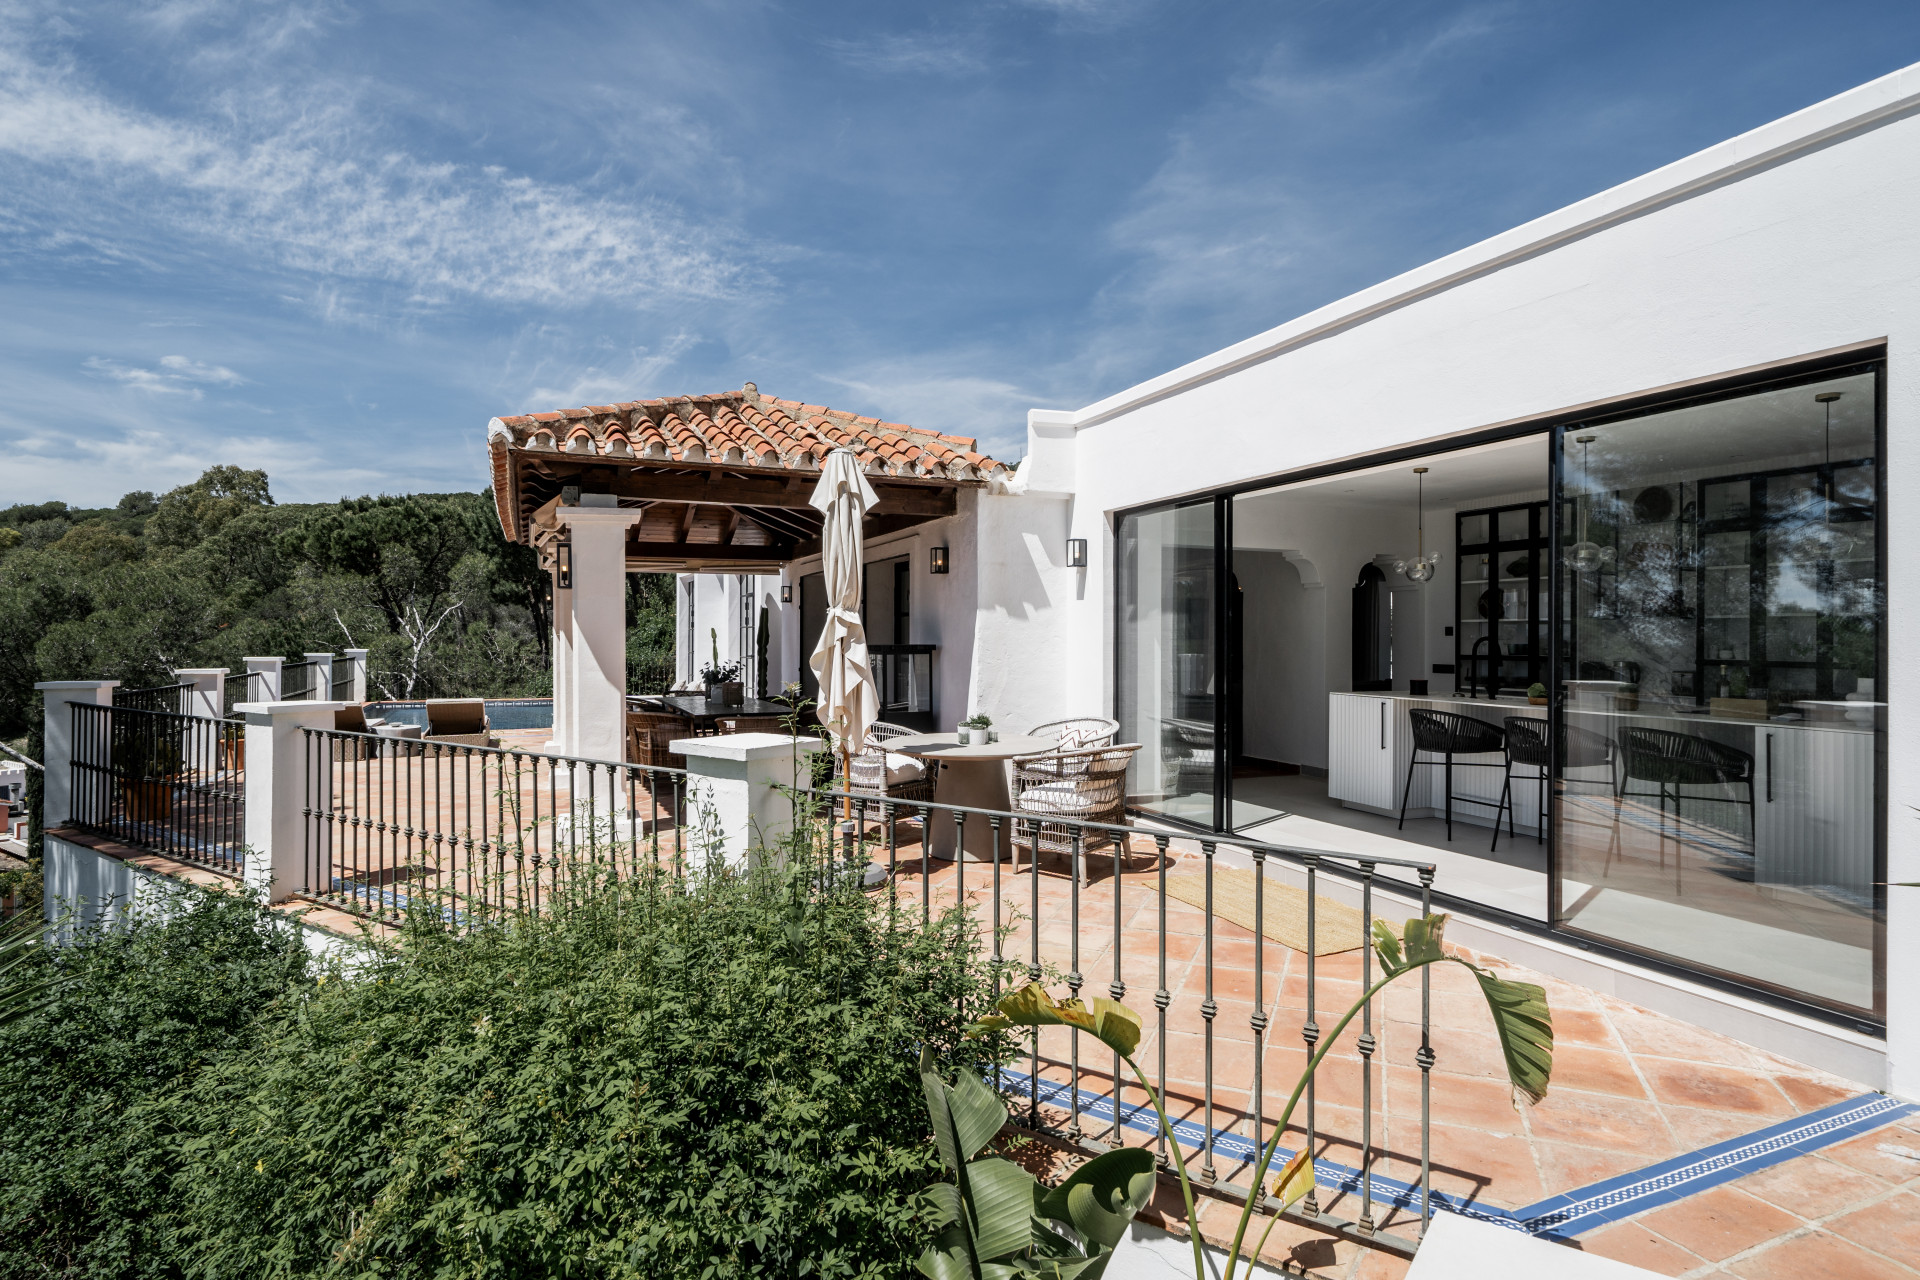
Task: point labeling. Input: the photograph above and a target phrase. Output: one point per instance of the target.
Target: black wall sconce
(786, 593)
(1076, 553)
(563, 566)
(936, 559)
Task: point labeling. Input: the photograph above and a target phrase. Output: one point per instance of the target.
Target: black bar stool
(1671, 761)
(1527, 747)
(1448, 734)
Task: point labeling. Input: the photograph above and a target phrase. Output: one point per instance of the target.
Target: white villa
(1641, 456)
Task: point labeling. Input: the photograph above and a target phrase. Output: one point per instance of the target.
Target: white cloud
(941, 395)
(911, 55)
(176, 375)
(310, 187)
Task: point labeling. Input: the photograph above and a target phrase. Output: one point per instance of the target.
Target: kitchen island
(1813, 779)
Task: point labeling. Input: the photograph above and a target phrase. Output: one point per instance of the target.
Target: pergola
(713, 484)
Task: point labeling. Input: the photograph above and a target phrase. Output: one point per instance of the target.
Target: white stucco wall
(1796, 239)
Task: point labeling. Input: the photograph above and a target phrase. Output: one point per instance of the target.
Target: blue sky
(333, 240)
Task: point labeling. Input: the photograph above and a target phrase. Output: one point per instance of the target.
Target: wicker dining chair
(648, 733)
(1084, 785)
(753, 724)
(884, 775)
(1080, 731)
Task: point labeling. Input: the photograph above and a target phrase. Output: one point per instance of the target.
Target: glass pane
(1513, 525)
(1716, 801)
(1473, 530)
(1166, 656)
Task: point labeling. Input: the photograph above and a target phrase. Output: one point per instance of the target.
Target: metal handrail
(1313, 862)
(171, 783)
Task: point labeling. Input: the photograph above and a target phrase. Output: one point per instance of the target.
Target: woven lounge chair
(1081, 731)
(1084, 785)
(753, 724)
(457, 722)
(352, 718)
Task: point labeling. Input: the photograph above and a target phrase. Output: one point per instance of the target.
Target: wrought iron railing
(1057, 1099)
(342, 690)
(475, 833)
(169, 783)
(297, 680)
(160, 697)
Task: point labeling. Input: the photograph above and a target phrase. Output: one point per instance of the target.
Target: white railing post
(207, 700)
(322, 690)
(358, 657)
(56, 788)
(739, 777)
(281, 782)
(263, 679)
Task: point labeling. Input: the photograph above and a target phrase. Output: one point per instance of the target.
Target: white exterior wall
(716, 608)
(1797, 239)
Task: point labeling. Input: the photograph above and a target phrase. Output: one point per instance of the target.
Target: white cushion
(1056, 797)
(904, 769)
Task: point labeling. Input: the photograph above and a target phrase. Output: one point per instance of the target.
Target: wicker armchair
(1085, 785)
(648, 733)
(880, 773)
(1081, 731)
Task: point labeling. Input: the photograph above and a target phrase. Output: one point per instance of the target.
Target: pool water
(503, 713)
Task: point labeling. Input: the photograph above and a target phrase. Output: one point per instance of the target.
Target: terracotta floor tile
(1694, 1128)
(1889, 1152)
(1811, 1095)
(1890, 1227)
(1374, 1264)
(1497, 1170)
(1462, 1100)
(1714, 1087)
(1816, 1255)
(1649, 1033)
(1812, 1186)
(1593, 1070)
(1596, 1120)
(1719, 1223)
(1564, 1166)
(1633, 1244)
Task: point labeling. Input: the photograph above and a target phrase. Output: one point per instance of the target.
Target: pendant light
(1586, 556)
(1421, 567)
(1825, 400)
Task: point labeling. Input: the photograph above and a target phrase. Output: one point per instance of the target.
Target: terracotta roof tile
(742, 429)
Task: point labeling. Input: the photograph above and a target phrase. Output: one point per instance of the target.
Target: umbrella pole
(846, 782)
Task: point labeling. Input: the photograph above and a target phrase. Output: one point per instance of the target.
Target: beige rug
(1336, 926)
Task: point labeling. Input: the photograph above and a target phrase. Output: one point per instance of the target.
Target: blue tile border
(1559, 1217)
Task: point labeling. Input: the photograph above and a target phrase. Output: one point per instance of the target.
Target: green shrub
(87, 1087)
(710, 1080)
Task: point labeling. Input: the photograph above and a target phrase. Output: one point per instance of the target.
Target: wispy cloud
(925, 54)
(310, 189)
(174, 375)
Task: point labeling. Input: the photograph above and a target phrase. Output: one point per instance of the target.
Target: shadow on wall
(1283, 670)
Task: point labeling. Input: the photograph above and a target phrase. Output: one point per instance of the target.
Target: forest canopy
(215, 571)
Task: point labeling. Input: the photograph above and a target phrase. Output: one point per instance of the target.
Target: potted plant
(722, 678)
(977, 730)
(148, 764)
(1537, 694)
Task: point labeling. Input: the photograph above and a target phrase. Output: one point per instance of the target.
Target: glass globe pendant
(1422, 566)
(1585, 555)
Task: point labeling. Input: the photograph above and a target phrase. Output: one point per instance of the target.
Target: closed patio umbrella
(849, 702)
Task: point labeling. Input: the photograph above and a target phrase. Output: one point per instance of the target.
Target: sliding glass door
(1719, 779)
(1168, 659)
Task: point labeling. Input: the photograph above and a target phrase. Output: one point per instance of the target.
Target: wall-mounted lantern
(936, 559)
(563, 566)
(1076, 553)
(786, 593)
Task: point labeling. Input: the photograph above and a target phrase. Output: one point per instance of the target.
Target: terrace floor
(1635, 1094)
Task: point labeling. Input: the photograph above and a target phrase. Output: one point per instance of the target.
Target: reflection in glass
(1722, 630)
(1166, 657)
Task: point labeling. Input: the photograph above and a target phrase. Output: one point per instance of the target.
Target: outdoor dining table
(974, 776)
(701, 710)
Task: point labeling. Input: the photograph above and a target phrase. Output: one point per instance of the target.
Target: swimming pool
(502, 713)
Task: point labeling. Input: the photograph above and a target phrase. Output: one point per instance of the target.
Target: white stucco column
(597, 711)
(562, 665)
(207, 700)
(737, 776)
(263, 679)
(56, 804)
(357, 658)
(279, 837)
(322, 690)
